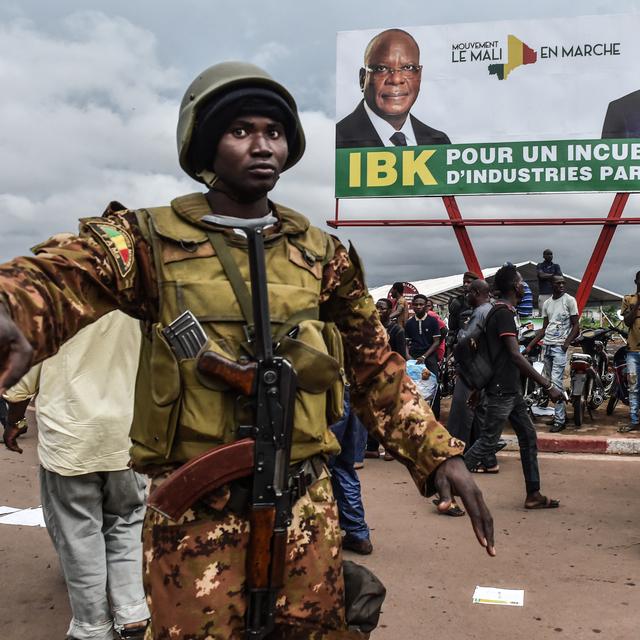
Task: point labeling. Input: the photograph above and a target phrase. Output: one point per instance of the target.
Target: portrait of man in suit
(623, 117)
(390, 83)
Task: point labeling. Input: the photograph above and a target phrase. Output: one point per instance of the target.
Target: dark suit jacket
(356, 130)
(623, 117)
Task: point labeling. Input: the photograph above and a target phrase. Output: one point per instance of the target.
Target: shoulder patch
(118, 242)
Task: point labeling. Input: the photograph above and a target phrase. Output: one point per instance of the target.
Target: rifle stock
(240, 377)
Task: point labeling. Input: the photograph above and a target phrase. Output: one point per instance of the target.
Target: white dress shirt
(385, 130)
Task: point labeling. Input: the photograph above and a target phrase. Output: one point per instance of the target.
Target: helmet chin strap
(208, 177)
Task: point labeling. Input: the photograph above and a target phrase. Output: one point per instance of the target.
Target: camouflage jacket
(72, 280)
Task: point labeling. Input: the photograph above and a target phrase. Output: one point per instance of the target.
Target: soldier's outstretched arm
(387, 401)
(69, 282)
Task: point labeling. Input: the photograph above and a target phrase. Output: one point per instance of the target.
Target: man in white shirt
(93, 504)
(390, 82)
(560, 328)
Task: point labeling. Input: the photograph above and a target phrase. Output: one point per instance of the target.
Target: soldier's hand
(452, 478)
(10, 438)
(15, 352)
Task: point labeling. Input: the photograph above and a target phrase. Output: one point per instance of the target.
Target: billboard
(531, 106)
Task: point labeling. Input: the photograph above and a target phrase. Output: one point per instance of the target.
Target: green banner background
(490, 168)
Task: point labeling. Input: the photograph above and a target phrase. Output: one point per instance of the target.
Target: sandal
(481, 468)
(454, 510)
(136, 632)
(545, 503)
(629, 427)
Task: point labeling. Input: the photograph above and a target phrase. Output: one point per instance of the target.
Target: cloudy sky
(89, 101)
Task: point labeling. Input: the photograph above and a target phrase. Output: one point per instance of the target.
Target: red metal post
(600, 250)
(462, 236)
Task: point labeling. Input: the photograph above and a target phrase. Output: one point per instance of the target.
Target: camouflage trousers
(194, 572)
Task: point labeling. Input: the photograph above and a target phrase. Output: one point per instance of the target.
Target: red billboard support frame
(459, 224)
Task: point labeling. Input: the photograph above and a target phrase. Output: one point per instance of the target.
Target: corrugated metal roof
(443, 289)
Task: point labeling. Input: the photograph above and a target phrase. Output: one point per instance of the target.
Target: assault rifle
(263, 448)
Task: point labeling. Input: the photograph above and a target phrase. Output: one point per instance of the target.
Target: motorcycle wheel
(578, 410)
(613, 401)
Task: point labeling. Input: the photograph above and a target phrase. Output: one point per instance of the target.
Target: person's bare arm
(526, 369)
(15, 352)
(433, 348)
(543, 275)
(397, 311)
(573, 334)
(630, 314)
(539, 335)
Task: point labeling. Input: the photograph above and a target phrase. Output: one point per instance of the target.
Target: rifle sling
(239, 286)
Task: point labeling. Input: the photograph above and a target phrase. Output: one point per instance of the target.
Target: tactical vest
(177, 413)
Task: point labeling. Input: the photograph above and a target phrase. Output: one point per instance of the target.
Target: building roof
(441, 290)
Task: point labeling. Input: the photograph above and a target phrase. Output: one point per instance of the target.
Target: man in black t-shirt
(423, 333)
(547, 270)
(504, 395)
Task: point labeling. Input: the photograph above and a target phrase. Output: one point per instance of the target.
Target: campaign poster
(534, 106)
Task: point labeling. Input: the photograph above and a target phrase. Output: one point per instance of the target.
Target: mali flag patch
(118, 242)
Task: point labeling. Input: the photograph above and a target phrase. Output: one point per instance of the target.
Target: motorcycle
(620, 390)
(592, 377)
(533, 393)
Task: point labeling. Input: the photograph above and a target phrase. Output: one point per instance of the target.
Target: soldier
(238, 130)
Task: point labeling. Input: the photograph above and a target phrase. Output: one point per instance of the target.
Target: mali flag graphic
(518, 53)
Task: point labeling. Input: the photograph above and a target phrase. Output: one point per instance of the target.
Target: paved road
(579, 565)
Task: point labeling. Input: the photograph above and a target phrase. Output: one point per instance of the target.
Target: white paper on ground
(494, 595)
(25, 517)
(4, 509)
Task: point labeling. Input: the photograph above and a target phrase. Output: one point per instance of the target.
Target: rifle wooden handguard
(201, 475)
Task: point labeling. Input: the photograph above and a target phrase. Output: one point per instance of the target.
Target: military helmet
(216, 81)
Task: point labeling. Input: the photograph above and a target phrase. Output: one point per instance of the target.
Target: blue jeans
(344, 478)
(633, 369)
(361, 442)
(512, 407)
(555, 362)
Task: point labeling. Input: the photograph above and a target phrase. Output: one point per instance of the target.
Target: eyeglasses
(406, 70)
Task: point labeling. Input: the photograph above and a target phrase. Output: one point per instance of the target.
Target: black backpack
(473, 360)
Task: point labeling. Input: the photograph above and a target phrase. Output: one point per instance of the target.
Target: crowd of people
(498, 313)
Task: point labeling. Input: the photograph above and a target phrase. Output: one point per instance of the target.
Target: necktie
(399, 139)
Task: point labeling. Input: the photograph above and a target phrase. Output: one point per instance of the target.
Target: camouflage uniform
(194, 568)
